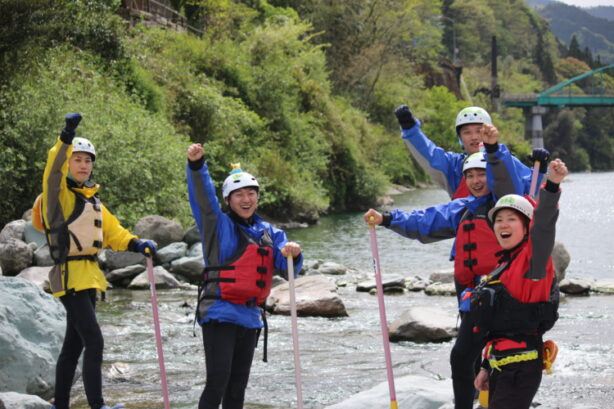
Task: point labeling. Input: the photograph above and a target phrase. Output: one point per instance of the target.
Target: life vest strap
(219, 280)
(90, 257)
(263, 251)
(218, 268)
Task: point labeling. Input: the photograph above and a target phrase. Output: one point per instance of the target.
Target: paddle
(297, 358)
(382, 314)
(156, 319)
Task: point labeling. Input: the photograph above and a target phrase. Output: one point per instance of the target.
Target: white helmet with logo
(475, 160)
(238, 179)
(472, 115)
(515, 202)
(80, 144)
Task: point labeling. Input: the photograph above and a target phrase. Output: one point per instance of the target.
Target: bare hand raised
(195, 152)
(490, 134)
(375, 215)
(557, 170)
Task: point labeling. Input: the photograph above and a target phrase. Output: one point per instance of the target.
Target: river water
(343, 356)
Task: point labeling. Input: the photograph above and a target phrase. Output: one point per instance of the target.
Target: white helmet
(80, 144)
(515, 202)
(238, 180)
(472, 115)
(475, 160)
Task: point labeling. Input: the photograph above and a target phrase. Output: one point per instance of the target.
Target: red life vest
(246, 277)
(462, 190)
(524, 289)
(475, 247)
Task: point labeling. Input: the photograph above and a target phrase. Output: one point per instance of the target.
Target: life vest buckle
(261, 269)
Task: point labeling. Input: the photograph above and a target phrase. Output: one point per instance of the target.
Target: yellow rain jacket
(58, 202)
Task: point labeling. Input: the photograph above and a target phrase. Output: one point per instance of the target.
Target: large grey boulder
(159, 229)
(423, 324)
(575, 286)
(163, 279)
(31, 235)
(114, 260)
(316, 296)
(560, 259)
(192, 235)
(195, 250)
(32, 326)
(14, 400)
(191, 268)
(391, 281)
(37, 275)
(412, 392)
(126, 273)
(42, 256)
(442, 276)
(332, 268)
(440, 289)
(15, 255)
(605, 286)
(171, 252)
(13, 230)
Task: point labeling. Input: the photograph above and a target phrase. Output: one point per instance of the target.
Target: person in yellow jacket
(77, 226)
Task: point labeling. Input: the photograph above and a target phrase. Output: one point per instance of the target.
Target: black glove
(145, 247)
(543, 156)
(405, 117)
(72, 122)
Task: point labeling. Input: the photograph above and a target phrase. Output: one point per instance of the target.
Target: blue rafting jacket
(220, 240)
(446, 168)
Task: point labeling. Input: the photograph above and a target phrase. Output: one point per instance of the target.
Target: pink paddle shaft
(532, 191)
(293, 315)
(382, 315)
(156, 319)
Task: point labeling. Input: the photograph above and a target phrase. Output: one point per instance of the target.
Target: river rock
(413, 392)
(440, 289)
(13, 230)
(160, 229)
(37, 275)
(192, 235)
(310, 265)
(332, 268)
(15, 255)
(163, 278)
(278, 280)
(114, 260)
(392, 281)
(316, 296)
(605, 286)
(191, 268)
(442, 276)
(423, 324)
(416, 283)
(31, 235)
(42, 256)
(14, 400)
(171, 252)
(575, 286)
(32, 326)
(560, 259)
(196, 250)
(128, 272)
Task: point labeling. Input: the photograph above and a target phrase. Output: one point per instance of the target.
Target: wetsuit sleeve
(114, 235)
(56, 195)
(217, 231)
(444, 168)
(543, 232)
(281, 262)
(502, 171)
(430, 225)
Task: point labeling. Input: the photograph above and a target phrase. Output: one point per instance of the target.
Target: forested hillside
(300, 92)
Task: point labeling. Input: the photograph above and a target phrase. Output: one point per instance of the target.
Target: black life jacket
(497, 312)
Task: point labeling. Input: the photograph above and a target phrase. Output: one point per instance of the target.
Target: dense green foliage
(300, 92)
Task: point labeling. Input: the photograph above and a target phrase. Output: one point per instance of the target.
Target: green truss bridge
(590, 89)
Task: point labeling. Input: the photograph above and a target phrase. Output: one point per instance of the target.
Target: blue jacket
(446, 168)
(441, 222)
(220, 240)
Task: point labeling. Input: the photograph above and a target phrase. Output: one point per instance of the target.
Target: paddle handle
(294, 319)
(534, 176)
(382, 315)
(156, 319)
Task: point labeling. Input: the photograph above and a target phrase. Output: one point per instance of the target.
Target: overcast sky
(588, 3)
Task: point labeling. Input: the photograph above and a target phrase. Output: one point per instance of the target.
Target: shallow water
(343, 356)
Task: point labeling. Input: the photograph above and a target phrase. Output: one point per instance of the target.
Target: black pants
(229, 350)
(515, 386)
(465, 362)
(82, 335)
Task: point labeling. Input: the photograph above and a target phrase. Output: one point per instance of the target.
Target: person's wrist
(196, 164)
